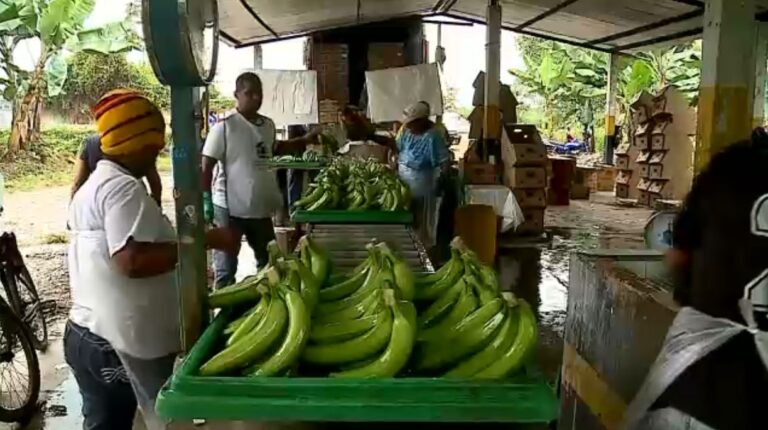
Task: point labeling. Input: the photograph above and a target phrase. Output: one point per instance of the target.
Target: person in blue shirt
(422, 152)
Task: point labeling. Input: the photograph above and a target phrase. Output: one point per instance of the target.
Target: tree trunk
(25, 126)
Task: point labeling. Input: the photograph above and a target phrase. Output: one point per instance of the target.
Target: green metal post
(186, 120)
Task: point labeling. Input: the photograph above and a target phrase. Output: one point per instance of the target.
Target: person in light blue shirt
(423, 151)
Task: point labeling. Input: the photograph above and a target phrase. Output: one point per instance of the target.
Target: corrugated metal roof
(245, 22)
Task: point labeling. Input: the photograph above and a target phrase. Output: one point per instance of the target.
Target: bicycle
(19, 368)
(24, 301)
(23, 331)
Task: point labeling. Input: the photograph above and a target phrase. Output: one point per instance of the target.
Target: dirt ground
(39, 220)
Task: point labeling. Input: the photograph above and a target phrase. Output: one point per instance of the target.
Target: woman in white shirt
(122, 257)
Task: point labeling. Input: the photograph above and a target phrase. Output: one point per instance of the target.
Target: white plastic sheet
(501, 199)
(392, 90)
(692, 336)
(290, 96)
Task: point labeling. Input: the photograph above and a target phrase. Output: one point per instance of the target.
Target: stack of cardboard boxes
(480, 168)
(525, 159)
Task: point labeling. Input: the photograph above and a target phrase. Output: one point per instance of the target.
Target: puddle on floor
(61, 410)
(540, 276)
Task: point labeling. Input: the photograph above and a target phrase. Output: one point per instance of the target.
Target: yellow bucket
(477, 226)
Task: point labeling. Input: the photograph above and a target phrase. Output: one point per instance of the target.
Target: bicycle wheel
(25, 301)
(19, 370)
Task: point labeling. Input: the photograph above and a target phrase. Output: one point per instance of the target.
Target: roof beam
(258, 18)
(661, 39)
(695, 3)
(443, 6)
(557, 8)
(648, 27)
(532, 33)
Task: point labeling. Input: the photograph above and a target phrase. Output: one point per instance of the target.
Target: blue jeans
(108, 399)
(147, 378)
(258, 233)
(295, 179)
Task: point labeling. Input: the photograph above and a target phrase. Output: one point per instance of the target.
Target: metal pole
(491, 118)
(611, 107)
(186, 122)
(258, 58)
(761, 66)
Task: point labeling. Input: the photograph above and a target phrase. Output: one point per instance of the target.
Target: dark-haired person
(239, 188)
(91, 153)
(712, 372)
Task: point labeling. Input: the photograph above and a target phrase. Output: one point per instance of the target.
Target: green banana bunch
(252, 319)
(492, 353)
(294, 340)
(395, 356)
(403, 276)
(350, 184)
(339, 331)
(253, 345)
(468, 336)
(315, 258)
(513, 358)
(349, 351)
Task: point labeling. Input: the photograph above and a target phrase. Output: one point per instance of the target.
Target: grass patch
(48, 162)
(54, 239)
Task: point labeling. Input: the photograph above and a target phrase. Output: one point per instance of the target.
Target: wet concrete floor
(537, 273)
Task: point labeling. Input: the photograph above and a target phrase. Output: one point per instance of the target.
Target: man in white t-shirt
(124, 322)
(239, 188)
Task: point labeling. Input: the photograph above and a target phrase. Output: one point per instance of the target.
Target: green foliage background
(93, 74)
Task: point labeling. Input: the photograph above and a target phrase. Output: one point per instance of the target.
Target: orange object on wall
(476, 225)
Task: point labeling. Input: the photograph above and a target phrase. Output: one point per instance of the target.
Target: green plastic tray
(298, 165)
(186, 396)
(336, 216)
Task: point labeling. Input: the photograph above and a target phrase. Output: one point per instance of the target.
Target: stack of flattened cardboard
(507, 106)
(665, 144)
(627, 178)
(525, 159)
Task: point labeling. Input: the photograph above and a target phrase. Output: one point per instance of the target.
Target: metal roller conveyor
(346, 243)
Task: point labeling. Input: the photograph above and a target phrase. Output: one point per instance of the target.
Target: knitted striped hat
(128, 122)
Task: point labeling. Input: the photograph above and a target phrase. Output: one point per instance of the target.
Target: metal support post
(492, 115)
(727, 77)
(258, 57)
(761, 67)
(611, 107)
(186, 122)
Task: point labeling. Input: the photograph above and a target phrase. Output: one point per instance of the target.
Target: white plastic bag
(692, 336)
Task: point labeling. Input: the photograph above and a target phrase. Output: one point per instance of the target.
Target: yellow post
(611, 108)
(727, 77)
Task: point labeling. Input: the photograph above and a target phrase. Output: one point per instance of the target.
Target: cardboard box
(527, 199)
(602, 178)
(526, 154)
(579, 192)
(534, 222)
(479, 173)
(476, 123)
(368, 150)
(385, 55)
(507, 101)
(525, 177)
(521, 134)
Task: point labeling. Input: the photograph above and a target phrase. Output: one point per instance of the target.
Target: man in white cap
(422, 151)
